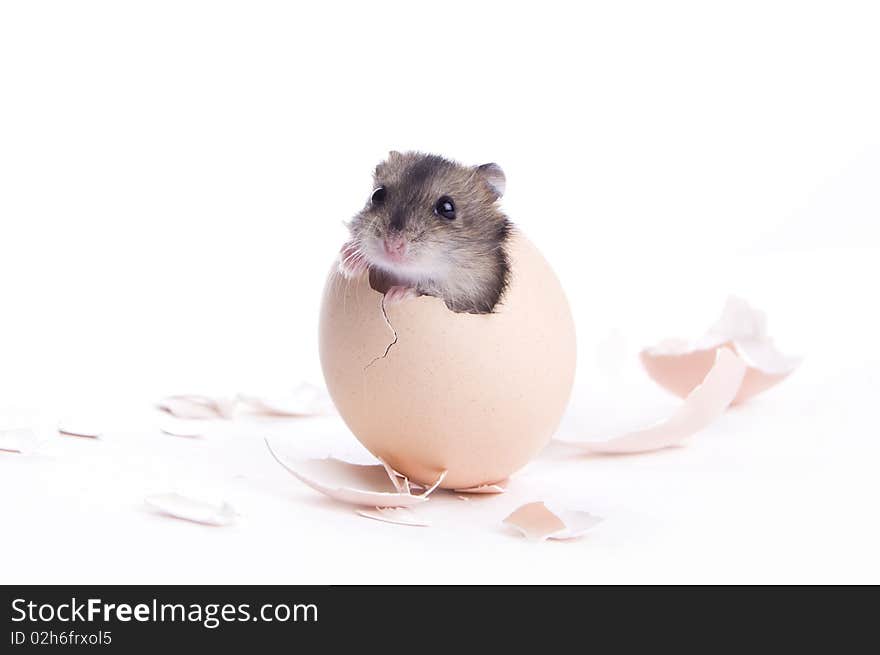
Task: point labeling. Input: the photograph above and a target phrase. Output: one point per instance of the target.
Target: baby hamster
(433, 226)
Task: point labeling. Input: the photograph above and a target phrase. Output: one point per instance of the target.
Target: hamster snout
(395, 247)
(434, 226)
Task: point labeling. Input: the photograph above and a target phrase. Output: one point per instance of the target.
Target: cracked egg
(428, 390)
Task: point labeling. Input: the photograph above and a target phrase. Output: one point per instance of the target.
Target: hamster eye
(445, 208)
(378, 196)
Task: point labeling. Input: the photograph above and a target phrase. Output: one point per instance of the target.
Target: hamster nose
(395, 246)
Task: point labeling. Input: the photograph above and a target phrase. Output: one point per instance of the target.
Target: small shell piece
(195, 406)
(77, 427)
(398, 515)
(304, 400)
(190, 509)
(368, 485)
(18, 440)
(536, 522)
(496, 488)
(189, 428)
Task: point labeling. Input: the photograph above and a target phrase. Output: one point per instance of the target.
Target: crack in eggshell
(393, 332)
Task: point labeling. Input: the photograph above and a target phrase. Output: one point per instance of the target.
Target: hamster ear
(494, 178)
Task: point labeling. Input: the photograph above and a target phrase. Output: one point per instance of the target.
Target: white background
(173, 181)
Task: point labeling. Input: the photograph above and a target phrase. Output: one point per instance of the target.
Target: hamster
(433, 227)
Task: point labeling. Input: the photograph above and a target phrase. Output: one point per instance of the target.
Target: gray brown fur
(463, 261)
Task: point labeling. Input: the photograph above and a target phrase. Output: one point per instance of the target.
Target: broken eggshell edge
(705, 403)
(369, 485)
(679, 366)
(536, 522)
(681, 373)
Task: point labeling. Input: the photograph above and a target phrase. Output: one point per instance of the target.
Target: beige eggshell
(679, 366)
(475, 395)
(680, 373)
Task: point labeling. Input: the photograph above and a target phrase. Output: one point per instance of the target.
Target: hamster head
(435, 225)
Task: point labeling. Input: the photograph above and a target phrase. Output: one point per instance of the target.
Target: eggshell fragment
(679, 366)
(576, 523)
(705, 403)
(536, 522)
(304, 400)
(430, 389)
(18, 440)
(398, 515)
(77, 427)
(482, 489)
(188, 428)
(357, 484)
(190, 509)
(399, 481)
(195, 406)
